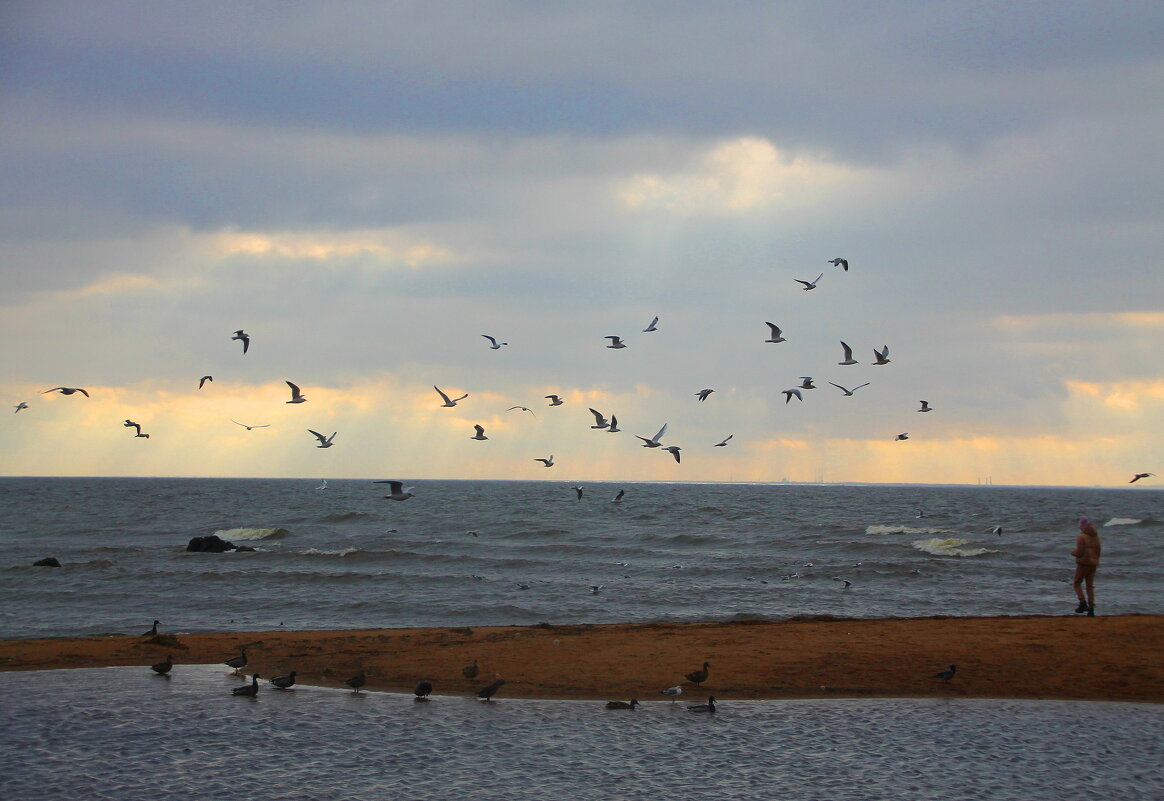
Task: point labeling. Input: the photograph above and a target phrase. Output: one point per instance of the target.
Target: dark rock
(211, 543)
(46, 562)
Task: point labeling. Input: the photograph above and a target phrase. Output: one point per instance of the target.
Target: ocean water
(125, 734)
(495, 553)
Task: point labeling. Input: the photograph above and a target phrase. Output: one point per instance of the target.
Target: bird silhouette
(162, 668)
(284, 682)
(248, 690)
(422, 691)
(486, 693)
(238, 662)
(947, 674)
(698, 676)
(470, 671)
(357, 681)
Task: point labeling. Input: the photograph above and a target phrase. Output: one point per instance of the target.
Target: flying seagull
(703, 393)
(324, 442)
(546, 462)
(806, 382)
(882, 355)
(202, 381)
(133, 425)
(243, 337)
(554, 400)
(19, 406)
(248, 428)
(1138, 476)
(843, 263)
(651, 327)
(615, 342)
(849, 391)
(449, 402)
(947, 674)
(674, 449)
(493, 343)
(925, 406)
(524, 409)
(775, 335)
(614, 429)
(848, 354)
(809, 284)
(904, 435)
(788, 393)
(480, 433)
(579, 491)
(725, 442)
(66, 391)
(599, 420)
(296, 395)
(653, 442)
(397, 490)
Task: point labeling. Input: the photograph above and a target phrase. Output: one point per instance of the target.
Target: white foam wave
(1122, 521)
(232, 534)
(904, 530)
(318, 552)
(949, 547)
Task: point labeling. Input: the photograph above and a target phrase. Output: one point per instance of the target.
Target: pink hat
(1084, 522)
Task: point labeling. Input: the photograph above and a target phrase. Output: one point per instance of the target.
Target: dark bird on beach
(422, 691)
(708, 707)
(470, 671)
(1138, 476)
(248, 690)
(947, 674)
(162, 668)
(698, 676)
(357, 681)
(153, 632)
(486, 693)
(239, 662)
(622, 704)
(284, 682)
(244, 338)
(202, 381)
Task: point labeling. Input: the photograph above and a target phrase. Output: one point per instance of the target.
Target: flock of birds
(423, 689)
(601, 421)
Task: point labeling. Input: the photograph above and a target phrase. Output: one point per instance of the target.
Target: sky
(366, 188)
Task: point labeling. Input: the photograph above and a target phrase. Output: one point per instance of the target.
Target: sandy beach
(1103, 658)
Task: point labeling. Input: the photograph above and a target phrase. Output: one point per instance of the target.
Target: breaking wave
(949, 547)
(904, 530)
(232, 534)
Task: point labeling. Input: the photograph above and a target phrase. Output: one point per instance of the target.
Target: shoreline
(1117, 658)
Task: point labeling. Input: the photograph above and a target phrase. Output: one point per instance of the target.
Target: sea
(337, 554)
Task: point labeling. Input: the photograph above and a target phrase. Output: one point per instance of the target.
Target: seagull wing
(294, 390)
(444, 397)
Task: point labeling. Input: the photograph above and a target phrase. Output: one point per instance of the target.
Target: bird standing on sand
(1138, 476)
(947, 674)
(698, 676)
(243, 337)
(672, 692)
(708, 707)
(239, 662)
(448, 402)
(248, 690)
(622, 704)
(163, 668)
(66, 391)
(153, 632)
(470, 671)
(296, 395)
(284, 682)
(486, 693)
(422, 690)
(357, 681)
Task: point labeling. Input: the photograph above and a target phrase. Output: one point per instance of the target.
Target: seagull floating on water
(615, 342)
(66, 391)
(654, 442)
(243, 337)
(703, 393)
(809, 284)
(248, 428)
(843, 263)
(622, 704)
(480, 433)
(554, 400)
(546, 462)
(449, 402)
(925, 406)
(1138, 476)
(849, 391)
(651, 327)
(775, 335)
(202, 381)
(882, 355)
(396, 490)
(296, 395)
(493, 343)
(848, 354)
(725, 441)
(324, 442)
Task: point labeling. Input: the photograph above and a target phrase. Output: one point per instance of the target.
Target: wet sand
(1117, 658)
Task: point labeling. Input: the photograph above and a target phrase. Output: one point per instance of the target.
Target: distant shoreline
(1118, 658)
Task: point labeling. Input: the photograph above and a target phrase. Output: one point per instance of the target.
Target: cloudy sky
(366, 188)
